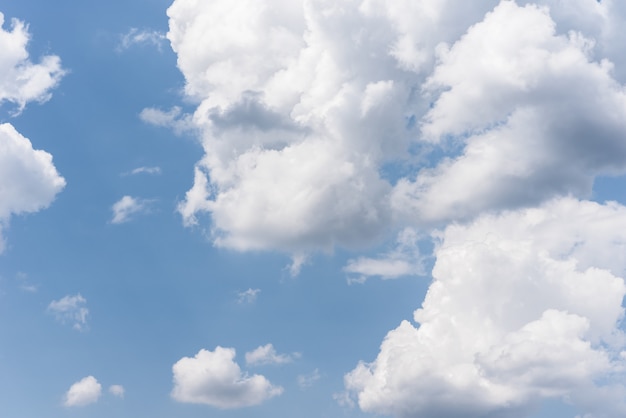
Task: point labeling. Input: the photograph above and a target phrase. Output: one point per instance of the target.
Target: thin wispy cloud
(142, 37)
(70, 309)
(128, 207)
(248, 296)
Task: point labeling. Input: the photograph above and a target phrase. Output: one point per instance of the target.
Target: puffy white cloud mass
(72, 309)
(84, 392)
(29, 181)
(524, 306)
(21, 81)
(328, 123)
(266, 354)
(214, 378)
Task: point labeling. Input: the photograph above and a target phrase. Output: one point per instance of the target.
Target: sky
(312, 208)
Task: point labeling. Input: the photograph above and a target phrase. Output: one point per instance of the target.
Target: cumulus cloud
(117, 390)
(128, 206)
(22, 81)
(71, 309)
(84, 392)
(266, 354)
(213, 378)
(525, 306)
(248, 296)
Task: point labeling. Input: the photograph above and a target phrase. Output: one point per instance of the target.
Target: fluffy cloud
(524, 306)
(83, 392)
(21, 81)
(126, 207)
(28, 179)
(71, 309)
(327, 123)
(213, 378)
(266, 354)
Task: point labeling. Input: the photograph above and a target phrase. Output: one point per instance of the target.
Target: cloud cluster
(29, 180)
(71, 309)
(214, 378)
(524, 306)
(328, 124)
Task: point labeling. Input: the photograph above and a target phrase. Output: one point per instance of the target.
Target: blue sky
(384, 209)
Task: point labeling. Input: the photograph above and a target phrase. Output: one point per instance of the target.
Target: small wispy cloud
(24, 283)
(70, 309)
(307, 380)
(173, 119)
(143, 170)
(248, 296)
(117, 390)
(126, 207)
(137, 36)
(266, 354)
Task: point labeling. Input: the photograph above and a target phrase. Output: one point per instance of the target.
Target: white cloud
(307, 380)
(128, 206)
(404, 260)
(144, 170)
(117, 390)
(21, 81)
(524, 306)
(29, 181)
(173, 119)
(71, 309)
(142, 37)
(213, 378)
(248, 296)
(84, 392)
(266, 354)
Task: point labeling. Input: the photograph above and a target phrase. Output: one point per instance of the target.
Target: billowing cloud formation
(524, 306)
(21, 81)
(328, 123)
(266, 354)
(83, 392)
(72, 309)
(213, 378)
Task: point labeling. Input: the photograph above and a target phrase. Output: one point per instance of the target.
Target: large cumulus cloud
(524, 306)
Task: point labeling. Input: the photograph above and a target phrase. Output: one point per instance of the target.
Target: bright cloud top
(266, 354)
(71, 309)
(84, 392)
(524, 306)
(21, 81)
(213, 378)
(306, 104)
(127, 207)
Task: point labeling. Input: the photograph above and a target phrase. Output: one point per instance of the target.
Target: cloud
(21, 81)
(71, 309)
(173, 119)
(141, 37)
(266, 354)
(248, 296)
(29, 181)
(305, 381)
(213, 378)
(117, 390)
(404, 260)
(524, 306)
(128, 206)
(144, 170)
(84, 392)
